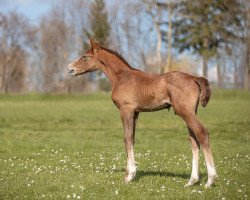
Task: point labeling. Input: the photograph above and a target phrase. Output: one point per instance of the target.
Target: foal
(134, 91)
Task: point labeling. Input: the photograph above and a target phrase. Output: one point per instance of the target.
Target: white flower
(81, 187)
(68, 196)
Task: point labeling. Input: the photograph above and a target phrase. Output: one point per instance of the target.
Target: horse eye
(85, 58)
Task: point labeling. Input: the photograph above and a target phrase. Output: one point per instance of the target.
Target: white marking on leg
(211, 170)
(212, 175)
(131, 168)
(195, 170)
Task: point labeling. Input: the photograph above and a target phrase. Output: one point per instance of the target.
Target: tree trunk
(205, 57)
(4, 62)
(235, 77)
(219, 74)
(246, 79)
(7, 75)
(155, 19)
(205, 65)
(247, 70)
(247, 63)
(169, 55)
(158, 45)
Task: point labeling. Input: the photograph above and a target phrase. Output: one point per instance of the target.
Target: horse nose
(71, 69)
(70, 65)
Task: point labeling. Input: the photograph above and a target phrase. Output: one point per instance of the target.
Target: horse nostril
(72, 71)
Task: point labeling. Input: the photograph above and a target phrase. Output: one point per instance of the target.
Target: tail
(205, 90)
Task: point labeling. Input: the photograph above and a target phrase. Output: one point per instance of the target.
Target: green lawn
(62, 146)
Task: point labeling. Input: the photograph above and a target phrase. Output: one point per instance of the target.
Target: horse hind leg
(201, 135)
(195, 161)
(212, 175)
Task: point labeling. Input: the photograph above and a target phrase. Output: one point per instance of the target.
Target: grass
(71, 147)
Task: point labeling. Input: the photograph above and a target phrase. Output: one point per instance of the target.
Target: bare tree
(79, 25)
(246, 62)
(170, 7)
(55, 48)
(13, 47)
(133, 36)
(162, 14)
(169, 38)
(60, 38)
(154, 10)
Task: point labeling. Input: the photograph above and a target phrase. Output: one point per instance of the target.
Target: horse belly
(153, 102)
(154, 108)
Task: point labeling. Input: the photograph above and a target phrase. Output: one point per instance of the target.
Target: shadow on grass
(140, 174)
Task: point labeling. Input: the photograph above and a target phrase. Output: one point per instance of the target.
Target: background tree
(131, 36)
(14, 44)
(167, 9)
(154, 10)
(35, 56)
(99, 25)
(77, 20)
(205, 26)
(246, 42)
(54, 44)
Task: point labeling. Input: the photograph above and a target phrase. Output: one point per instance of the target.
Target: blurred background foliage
(208, 38)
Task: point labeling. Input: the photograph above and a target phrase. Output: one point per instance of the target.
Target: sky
(31, 8)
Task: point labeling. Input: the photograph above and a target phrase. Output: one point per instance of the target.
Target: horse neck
(113, 67)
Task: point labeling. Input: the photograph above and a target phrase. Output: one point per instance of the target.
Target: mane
(119, 56)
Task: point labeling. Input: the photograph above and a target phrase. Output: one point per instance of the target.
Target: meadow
(71, 147)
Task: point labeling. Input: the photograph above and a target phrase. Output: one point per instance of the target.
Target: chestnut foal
(134, 91)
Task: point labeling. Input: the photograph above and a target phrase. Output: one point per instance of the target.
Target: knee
(128, 142)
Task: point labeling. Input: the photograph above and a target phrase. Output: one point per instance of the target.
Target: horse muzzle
(72, 71)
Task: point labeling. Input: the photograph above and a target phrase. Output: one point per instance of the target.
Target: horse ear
(91, 42)
(94, 45)
(97, 44)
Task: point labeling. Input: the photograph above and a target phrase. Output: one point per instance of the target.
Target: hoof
(211, 181)
(191, 182)
(129, 177)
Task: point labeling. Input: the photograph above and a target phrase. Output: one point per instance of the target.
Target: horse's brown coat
(134, 91)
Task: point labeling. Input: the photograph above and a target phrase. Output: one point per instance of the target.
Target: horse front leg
(129, 118)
